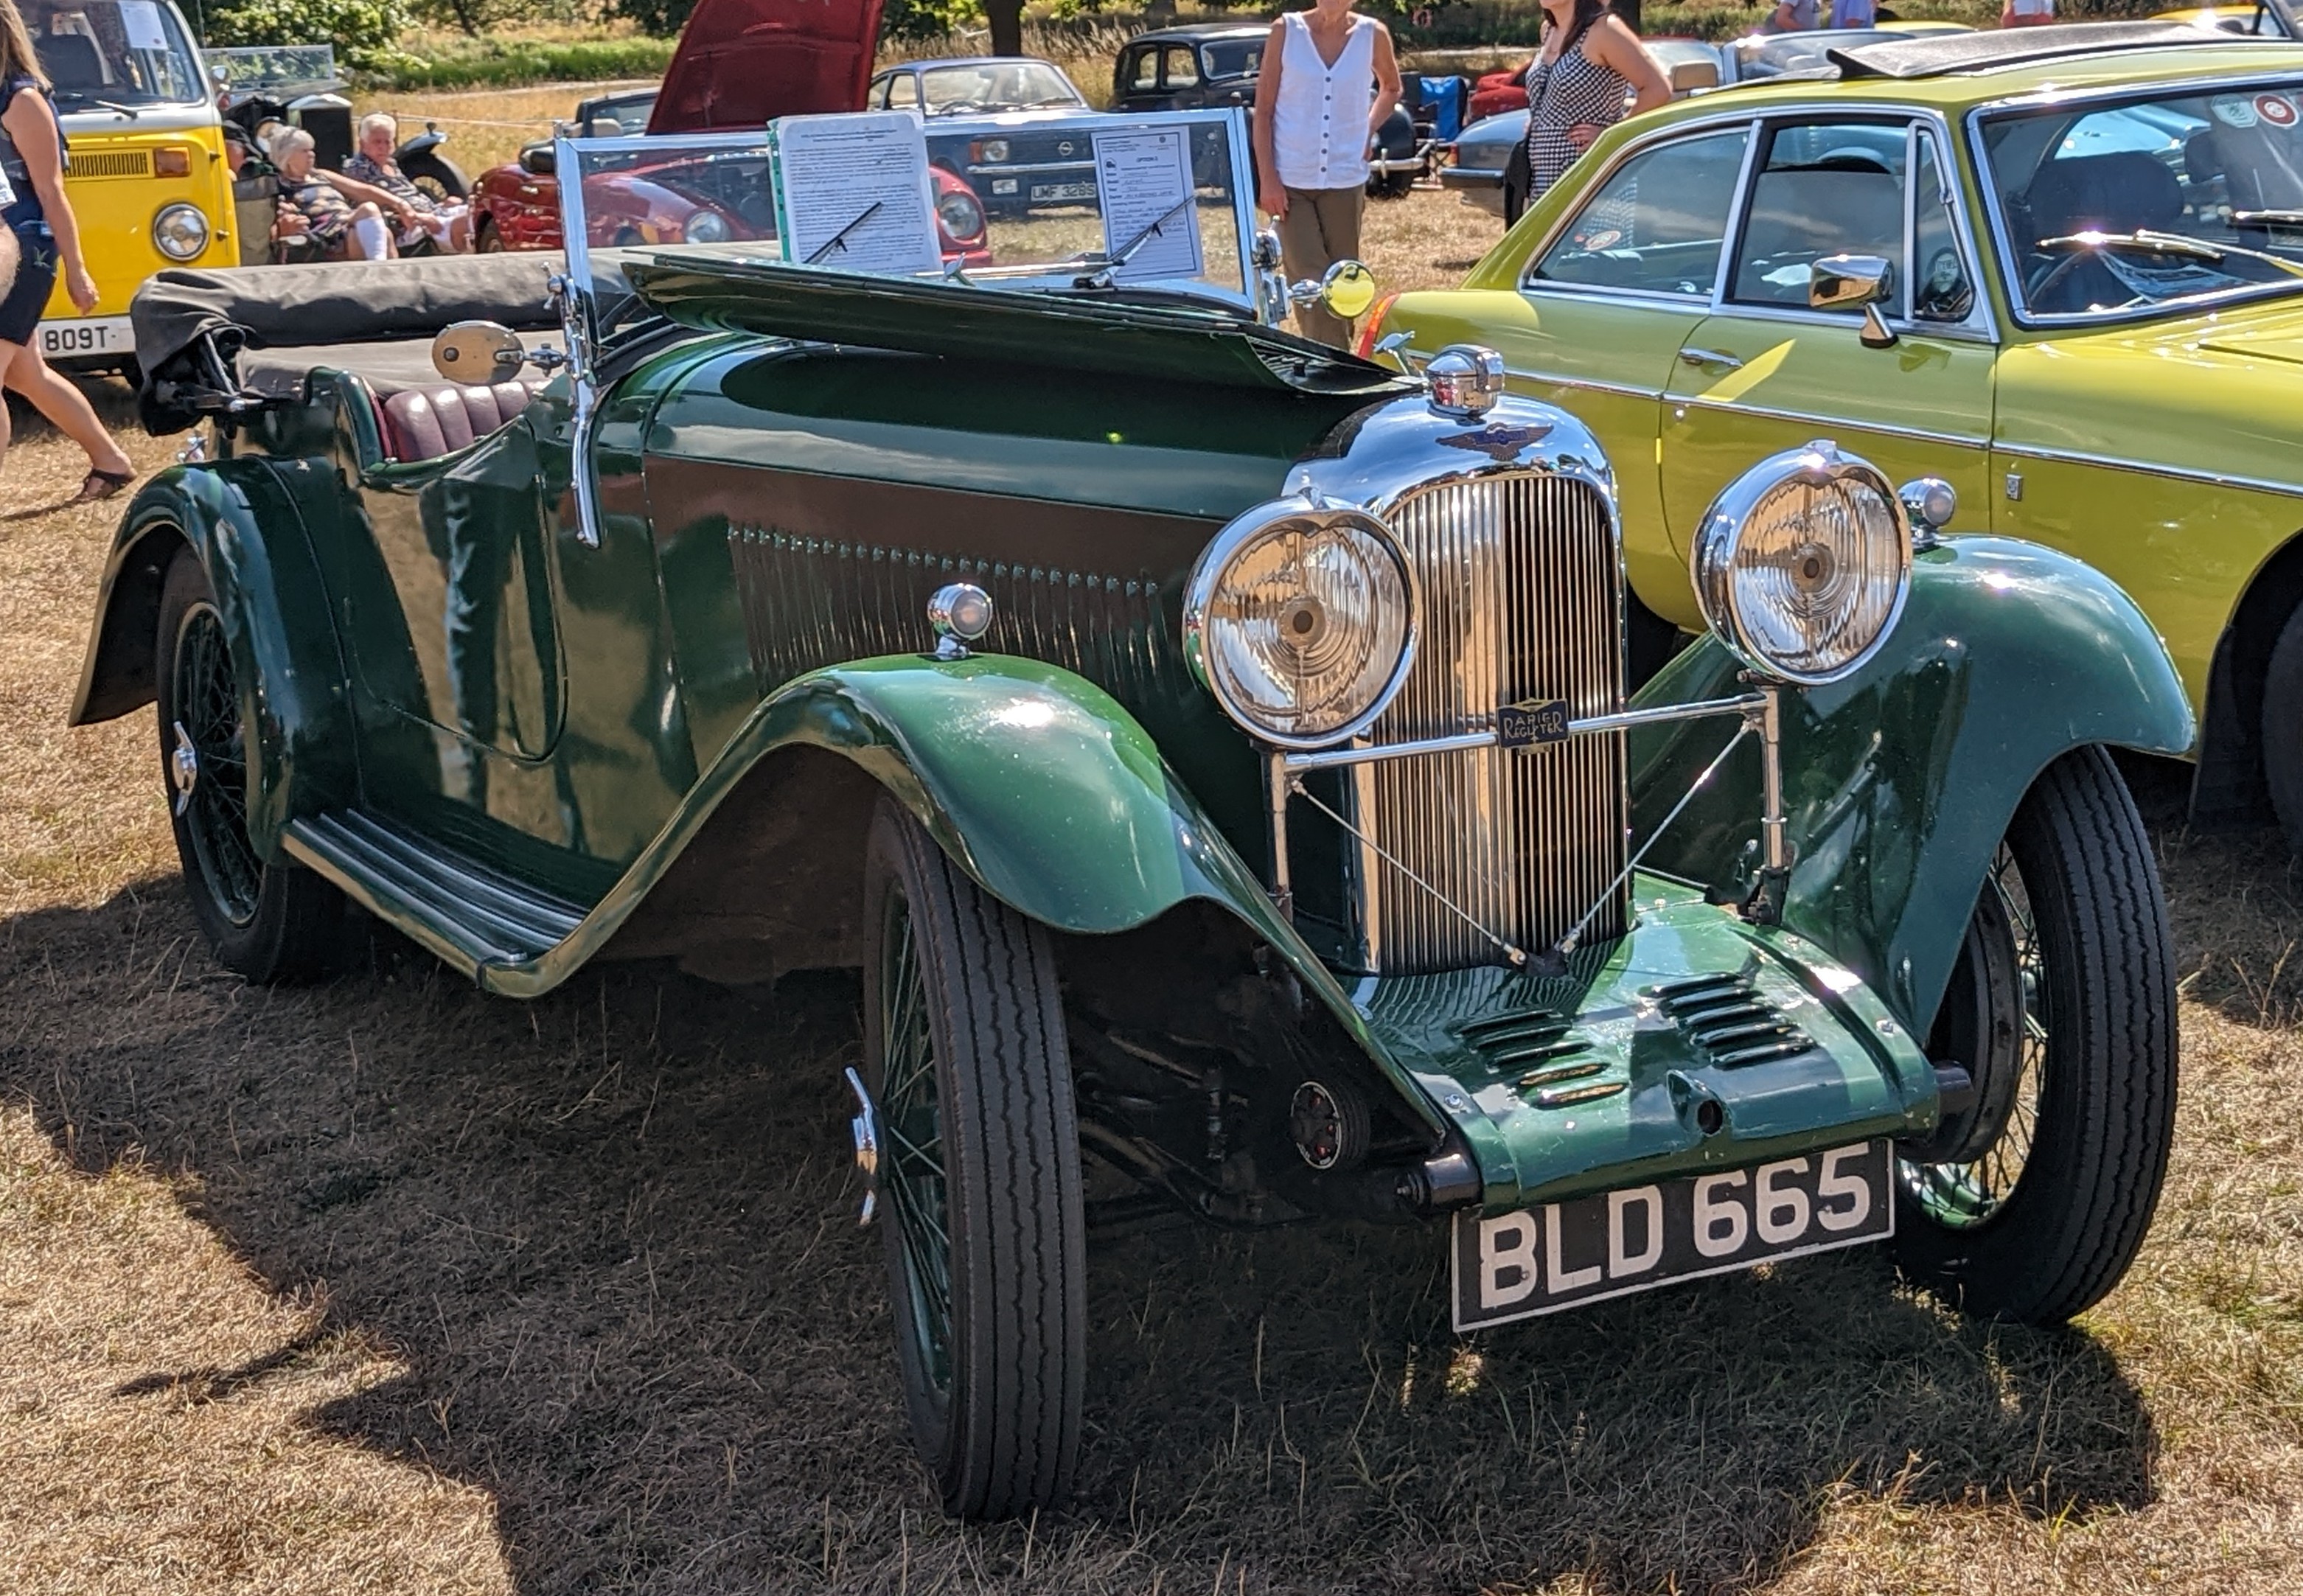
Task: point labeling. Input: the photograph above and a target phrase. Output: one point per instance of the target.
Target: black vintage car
(1214, 65)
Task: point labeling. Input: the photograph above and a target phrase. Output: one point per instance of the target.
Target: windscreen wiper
(2145, 240)
(839, 241)
(2268, 218)
(77, 97)
(1102, 276)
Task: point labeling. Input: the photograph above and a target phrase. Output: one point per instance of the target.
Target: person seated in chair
(448, 224)
(336, 219)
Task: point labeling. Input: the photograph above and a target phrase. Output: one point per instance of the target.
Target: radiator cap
(1466, 380)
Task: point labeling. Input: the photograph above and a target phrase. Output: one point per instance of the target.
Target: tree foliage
(478, 17)
(902, 18)
(365, 32)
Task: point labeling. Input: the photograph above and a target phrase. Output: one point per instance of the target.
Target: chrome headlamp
(1301, 619)
(1802, 564)
(706, 227)
(179, 231)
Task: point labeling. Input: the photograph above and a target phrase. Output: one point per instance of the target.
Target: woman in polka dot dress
(1328, 81)
(1589, 69)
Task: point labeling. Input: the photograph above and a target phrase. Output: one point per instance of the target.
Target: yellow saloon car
(147, 175)
(2059, 268)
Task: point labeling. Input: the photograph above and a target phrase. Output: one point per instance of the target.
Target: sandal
(101, 485)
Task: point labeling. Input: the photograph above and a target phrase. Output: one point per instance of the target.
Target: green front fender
(277, 624)
(1040, 784)
(1900, 781)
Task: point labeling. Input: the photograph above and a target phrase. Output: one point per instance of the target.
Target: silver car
(1484, 150)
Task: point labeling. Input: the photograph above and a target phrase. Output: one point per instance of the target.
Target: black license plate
(1561, 1254)
(1063, 191)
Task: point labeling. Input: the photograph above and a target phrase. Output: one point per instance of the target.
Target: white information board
(139, 20)
(1144, 177)
(853, 192)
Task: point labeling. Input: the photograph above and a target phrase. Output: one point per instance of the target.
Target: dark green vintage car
(1214, 750)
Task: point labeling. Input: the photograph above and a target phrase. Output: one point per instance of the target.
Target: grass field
(388, 1286)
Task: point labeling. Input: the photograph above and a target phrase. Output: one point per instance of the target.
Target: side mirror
(478, 351)
(1347, 290)
(1689, 76)
(537, 160)
(1848, 281)
(1854, 282)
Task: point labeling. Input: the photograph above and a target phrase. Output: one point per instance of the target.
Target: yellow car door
(1909, 389)
(1605, 303)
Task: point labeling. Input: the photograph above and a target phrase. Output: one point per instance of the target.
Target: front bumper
(1470, 180)
(1698, 1042)
(1011, 182)
(1479, 186)
(1392, 165)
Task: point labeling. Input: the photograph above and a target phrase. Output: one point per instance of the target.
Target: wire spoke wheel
(912, 1173)
(212, 787)
(2029, 1200)
(977, 1166)
(2010, 1076)
(269, 920)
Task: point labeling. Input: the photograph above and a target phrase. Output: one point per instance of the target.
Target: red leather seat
(423, 423)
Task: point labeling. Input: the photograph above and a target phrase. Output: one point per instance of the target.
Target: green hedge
(503, 66)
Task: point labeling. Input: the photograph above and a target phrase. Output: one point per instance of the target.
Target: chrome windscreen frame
(578, 310)
(1242, 182)
(1977, 120)
(1410, 446)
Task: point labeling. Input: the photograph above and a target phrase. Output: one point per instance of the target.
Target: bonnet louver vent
(1727, 1018)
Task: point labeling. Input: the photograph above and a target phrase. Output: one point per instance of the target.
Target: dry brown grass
(388, 1285)
(485, 127)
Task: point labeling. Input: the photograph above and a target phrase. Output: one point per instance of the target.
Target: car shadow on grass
(611, 1236)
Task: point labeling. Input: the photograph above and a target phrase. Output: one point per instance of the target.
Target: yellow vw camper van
(147, 177)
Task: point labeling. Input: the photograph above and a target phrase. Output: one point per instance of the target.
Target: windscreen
(115, 53)
(983, 86)
(279, 71)
(2120, 208)
(1144, 205)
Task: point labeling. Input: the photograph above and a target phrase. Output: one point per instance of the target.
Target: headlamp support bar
(1760, 710)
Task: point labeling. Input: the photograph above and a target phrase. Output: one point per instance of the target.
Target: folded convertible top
(357, 302)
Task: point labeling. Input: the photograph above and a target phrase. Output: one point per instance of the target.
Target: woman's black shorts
(36, 279)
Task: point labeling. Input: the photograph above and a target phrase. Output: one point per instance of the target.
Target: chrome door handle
(1710, 357)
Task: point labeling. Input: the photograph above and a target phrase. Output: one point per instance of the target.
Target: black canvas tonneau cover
(311, 307)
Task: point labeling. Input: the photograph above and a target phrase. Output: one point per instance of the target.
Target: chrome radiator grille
(1521, 599)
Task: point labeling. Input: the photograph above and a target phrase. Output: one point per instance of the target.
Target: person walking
(1327, 81)
(1591, 66)
(39, 219)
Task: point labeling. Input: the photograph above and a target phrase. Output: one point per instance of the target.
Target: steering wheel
(2036, 292)
(2052, 277)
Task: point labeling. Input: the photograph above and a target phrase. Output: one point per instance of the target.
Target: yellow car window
(1657, 226)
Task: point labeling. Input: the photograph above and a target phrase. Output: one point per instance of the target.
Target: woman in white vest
(1328, 81)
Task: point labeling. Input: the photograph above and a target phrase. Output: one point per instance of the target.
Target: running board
(462, 910)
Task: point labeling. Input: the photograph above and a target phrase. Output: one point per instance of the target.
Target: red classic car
(739, 64)
(686, 199)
